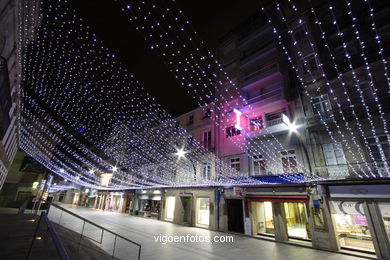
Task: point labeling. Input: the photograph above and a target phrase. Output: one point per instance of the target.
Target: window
(207, 139)
(258, 165)
(235, 163)
(206, 171)
(256, 123)
(289, 161)
(375, 147)
(334, 154)
(367, 91)
(232, 131)
(207, 113)
(299, 33)
(309, 64)
(190, 120)
(321, 105)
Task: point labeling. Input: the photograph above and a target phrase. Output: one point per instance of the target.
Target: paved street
(143, 231)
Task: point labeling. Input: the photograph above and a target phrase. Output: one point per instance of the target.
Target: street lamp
(291, 125)
(180, 153)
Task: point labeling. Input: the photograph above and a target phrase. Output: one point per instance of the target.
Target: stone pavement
(142, 230)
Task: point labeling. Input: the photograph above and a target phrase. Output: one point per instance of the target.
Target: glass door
(296, 218)
(263, 223)
(203, 206)
(170, 208)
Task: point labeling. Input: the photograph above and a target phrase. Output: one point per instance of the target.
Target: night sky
(211, 18)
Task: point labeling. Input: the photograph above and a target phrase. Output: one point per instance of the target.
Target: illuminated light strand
(359, 91)
(153, 47)
(375, 94)
(297, 74)
(330, 90)
(379, 43)
(345, 92)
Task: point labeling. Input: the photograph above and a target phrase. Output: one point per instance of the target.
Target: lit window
(232, 131)
(256, 124)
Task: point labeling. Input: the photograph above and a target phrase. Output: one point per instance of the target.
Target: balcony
(273, 126)
(354, 170)
(275, 94)
(264, 72)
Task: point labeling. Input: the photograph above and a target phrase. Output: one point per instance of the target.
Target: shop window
(351, 225)
(235, 163)
(262, 218)
(289, 161)
(321, 105)
(258, 165)
(384, 208)
(296, 218)
(206, 171)
(232, 131)
(170, 208)
(207, 139)
(203, 208)
(256, 124)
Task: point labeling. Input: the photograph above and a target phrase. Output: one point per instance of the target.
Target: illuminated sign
(238, 115)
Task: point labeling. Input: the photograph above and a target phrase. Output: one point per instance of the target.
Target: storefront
(286, 213)
(280, 213)
(190, 207)
(147, 203)
(361, 216)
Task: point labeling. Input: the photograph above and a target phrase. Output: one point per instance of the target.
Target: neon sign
(238, 115)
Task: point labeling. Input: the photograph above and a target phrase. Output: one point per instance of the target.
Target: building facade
(11, 42)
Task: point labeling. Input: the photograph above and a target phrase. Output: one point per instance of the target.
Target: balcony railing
(269, 123)
(354, 170)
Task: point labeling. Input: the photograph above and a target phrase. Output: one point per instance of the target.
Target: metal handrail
(57, 241)
(97, 225)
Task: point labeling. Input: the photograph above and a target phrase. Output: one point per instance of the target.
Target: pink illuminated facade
(263, 144)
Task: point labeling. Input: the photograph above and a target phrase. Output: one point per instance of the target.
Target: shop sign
(360, 191)
(360, 220)
(238, 191)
